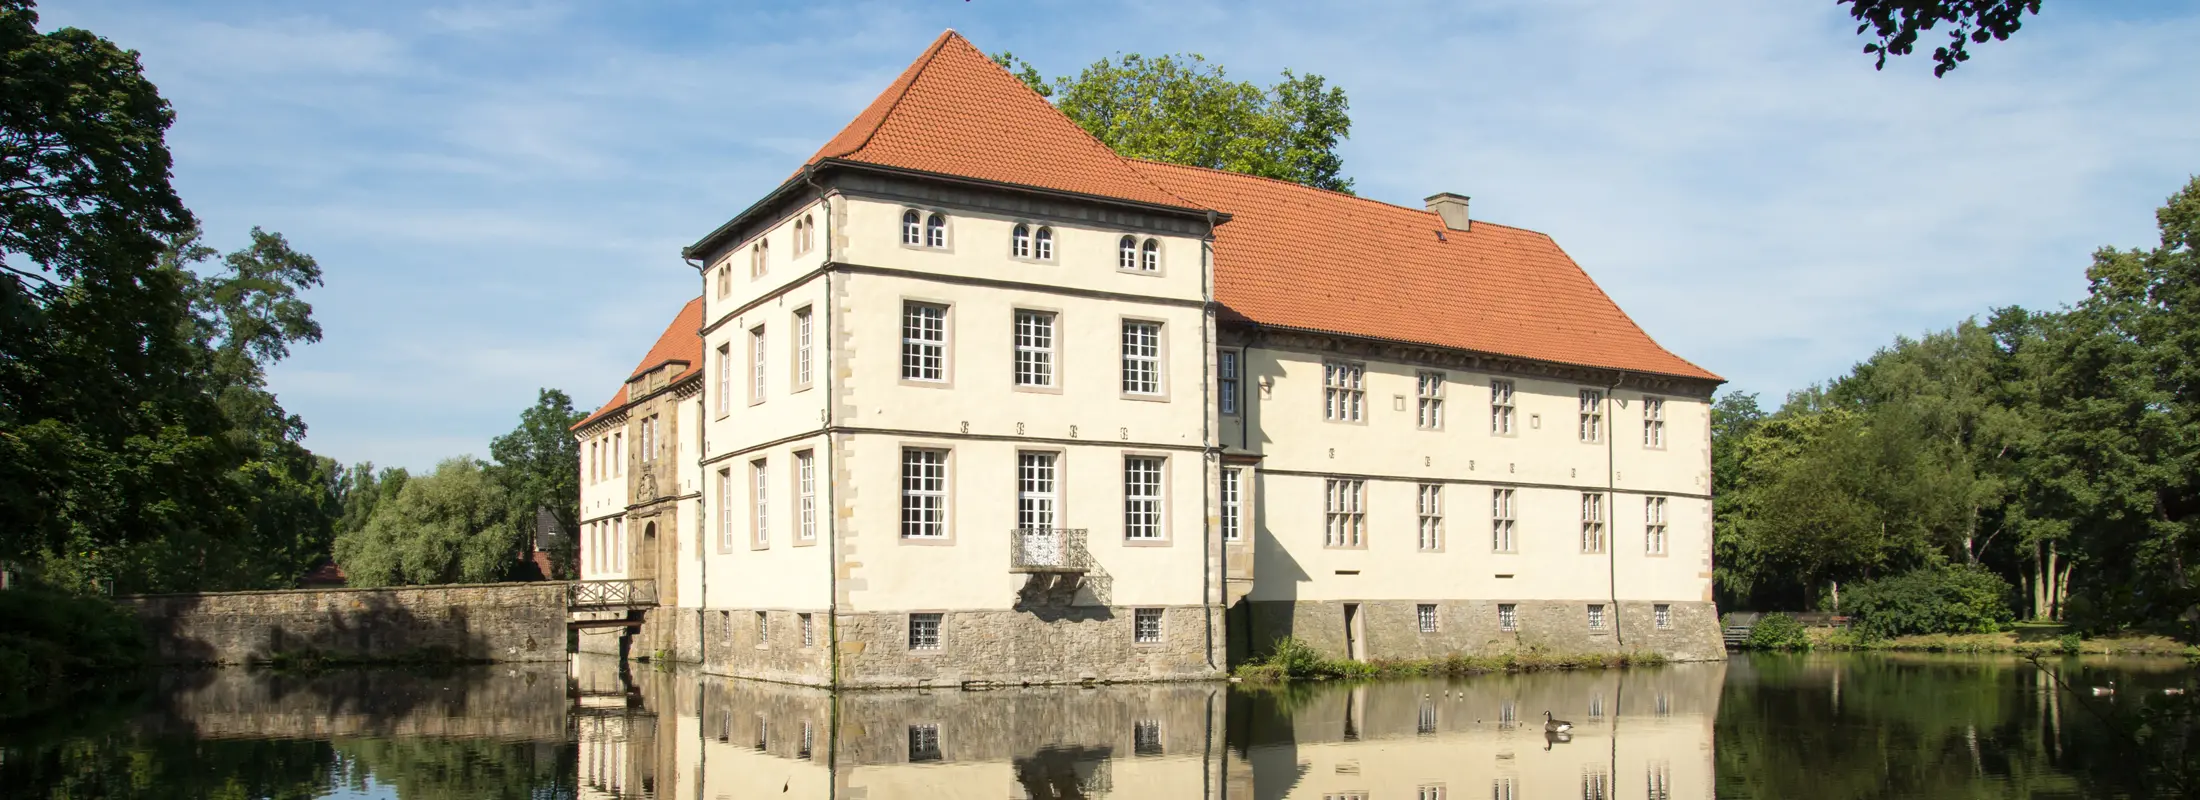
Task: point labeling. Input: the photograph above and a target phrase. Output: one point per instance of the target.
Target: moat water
(1789, 727)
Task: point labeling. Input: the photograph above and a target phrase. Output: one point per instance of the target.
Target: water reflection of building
(1637, 734)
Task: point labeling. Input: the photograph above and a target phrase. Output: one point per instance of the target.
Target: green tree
(1897, 23)
(539, 465)
(453, 525)
(1182, 110)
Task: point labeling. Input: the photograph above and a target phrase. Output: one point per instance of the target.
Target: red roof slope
(955, 112)
(1301, 257)
(682, 341)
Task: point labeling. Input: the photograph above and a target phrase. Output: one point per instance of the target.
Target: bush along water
(1953, 599)
(1777, 632)
(50, 641)
(1292, 659)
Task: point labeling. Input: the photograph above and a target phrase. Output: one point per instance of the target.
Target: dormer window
(912, 228)
(1150, 256)
(1019, 242)
(935, 230)
(1045, 245)
(1126, 253)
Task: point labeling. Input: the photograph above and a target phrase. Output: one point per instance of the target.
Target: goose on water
(1552, 725)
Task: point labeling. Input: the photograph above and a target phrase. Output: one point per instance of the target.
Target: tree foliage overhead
(1182, 110)
(1897, 24)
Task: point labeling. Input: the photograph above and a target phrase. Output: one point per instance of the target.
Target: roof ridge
(915, 72)
(1331, 192)
(1127, 161)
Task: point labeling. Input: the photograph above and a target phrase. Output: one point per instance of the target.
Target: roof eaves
(1185, 210)
(1714, 380)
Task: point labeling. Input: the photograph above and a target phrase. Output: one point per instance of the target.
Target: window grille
(924, 631)
(1146, 625)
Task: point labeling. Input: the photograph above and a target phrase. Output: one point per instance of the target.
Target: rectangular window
(595, 463)
(1036, 491)
(1658, 780)
(924, 631)
(1344, 393)
(1346, 516)
(1146, 625)
(802, 348)
(763, 515)
(1501, 407)
(1504, 789)
(1034, 348)
(756, 364)
(923, 493)
(1226, 371)
(763, 629)
(1592, 415)
(1430, 506)
(1653, 422)
(1508, 617)
(1663, 614)
(1233, 511)
(725, 508)
(809, 634)
(1596, 785)
(1141, 357)
(648, 423)
(1146, 737)
(618, 551)
(1425, 614)
(1502, 522)
(1142, 497)
(1430, 389)
(923, 341)
(1426, 724)
(618, 454)
(1596, 617)
(807, 740)
(1592, 522)
(725, 378)
(1653, 525)
(924, 743)
(805, 491)
(763, 733)
(1430, 792)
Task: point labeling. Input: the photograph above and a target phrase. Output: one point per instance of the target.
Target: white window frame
(725, 378)
(1596, 617)
(804, 338)
(1501, 407)
(725, 508)
(1429, 400)
(758, 355)
(935, 231)
(1149, 256)
(1233, 504)
(1143, 348)
(1662, 615)
(1042, 244)
(1429, 507)
(1425, 617)
(1019, 241)
(924, 338)
(1504, 522)
(924, 507)
(1508, 617)
(1145, 498)
(760, 502)
(1592, 416)
(1592, 523)
(809, 640)
(1038, 489)
(805, 465)
(1126, 257)
(1036, 335)
(1653, 422)
(1344, 513)
(912, 228)
(1344, 391)
(1654, 525)
(1228, 363)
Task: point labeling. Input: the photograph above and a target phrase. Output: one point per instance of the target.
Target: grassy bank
(52, 643)
(1296, 660)
(2010, 642)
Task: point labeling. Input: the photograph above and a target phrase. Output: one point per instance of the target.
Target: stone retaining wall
(487, 622)
(1392, 628)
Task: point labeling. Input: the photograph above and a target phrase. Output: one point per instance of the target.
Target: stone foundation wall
(1081, 643)
(1392, 628)
(488, 622)
(726, 642)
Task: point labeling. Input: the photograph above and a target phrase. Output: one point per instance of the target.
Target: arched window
(935, 231)
(1045, 249)
(912, 227)
(758, 258)
(798, 232)
(809, 233)
(1152, 256)
(1127, 253)
(1019, 243)
(725, 278)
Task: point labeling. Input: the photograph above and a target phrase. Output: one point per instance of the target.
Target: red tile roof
(1301, 257)
(681, 342)
(955, 112)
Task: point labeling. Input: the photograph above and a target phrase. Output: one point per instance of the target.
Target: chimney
(1452, 207)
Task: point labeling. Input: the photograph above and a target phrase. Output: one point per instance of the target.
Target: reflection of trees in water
(121, 765)
(460, 769)
(1810, 728)
(1064, 773)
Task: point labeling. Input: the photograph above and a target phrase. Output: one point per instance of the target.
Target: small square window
(1596, 617)
(1425, 613)
(1146, 737)
(924, 742)
(1146, 625)
(1508, 617)
(1664, 615)
(924, 631)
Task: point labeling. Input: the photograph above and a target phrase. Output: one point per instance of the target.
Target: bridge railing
(611, 594)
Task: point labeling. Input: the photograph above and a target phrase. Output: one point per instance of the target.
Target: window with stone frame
(1034, 336)
(923, 341)
(1345, 513)
(935, 231)
(805, 487)
(924, 631)
(1019, 241)
(1141, 357)
(1142, 498)
(1344, 391)
(1653, 525)
(803, 348)
(1425, 615)
(1502, 522)
(1226, 380)
(1501, 407)
(923, 493)
(1508, 616)
(1429, 402)
(1429, 508)
(1653, 422)
(1043, 244)
(1592, 415)
(912, 228)
(1146, 625)
(1233, 510)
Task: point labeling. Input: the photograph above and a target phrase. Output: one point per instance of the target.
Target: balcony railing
(608, 595)
(1048, 550)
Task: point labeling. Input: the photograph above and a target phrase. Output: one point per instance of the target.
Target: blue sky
(497, 192)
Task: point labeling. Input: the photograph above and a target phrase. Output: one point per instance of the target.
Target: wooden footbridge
(588, 602)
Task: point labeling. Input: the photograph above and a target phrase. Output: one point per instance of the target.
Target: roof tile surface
(682, 341)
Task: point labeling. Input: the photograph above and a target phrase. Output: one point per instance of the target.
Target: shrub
(48, 639)
(1777, 632)
(2071, 644)
(1960, 599)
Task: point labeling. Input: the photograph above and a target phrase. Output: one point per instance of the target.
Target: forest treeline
(2054, 451)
